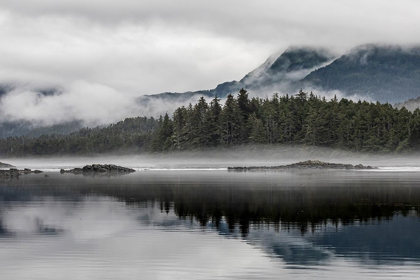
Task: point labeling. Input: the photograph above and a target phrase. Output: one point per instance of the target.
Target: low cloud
(103, 54)
(93, 104)
(97, 104)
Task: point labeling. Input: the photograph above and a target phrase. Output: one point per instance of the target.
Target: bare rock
(99, 168)
(309, 164)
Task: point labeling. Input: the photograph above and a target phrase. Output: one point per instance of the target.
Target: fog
(95, 104)
(221, 158)
(91, 104)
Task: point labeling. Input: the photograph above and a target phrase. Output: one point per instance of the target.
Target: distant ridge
(275, 74)
(385, 73)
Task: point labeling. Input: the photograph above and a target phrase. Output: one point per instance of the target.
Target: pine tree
(213, 128)
(231, 121)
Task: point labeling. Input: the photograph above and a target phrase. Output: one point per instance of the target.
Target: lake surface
(211, 224)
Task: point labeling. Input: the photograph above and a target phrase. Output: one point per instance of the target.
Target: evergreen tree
(213, 128)
(231, 121)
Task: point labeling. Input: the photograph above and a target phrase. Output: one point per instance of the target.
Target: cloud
(134, 58)
(144, 47)
(93, 104)
(132, 48)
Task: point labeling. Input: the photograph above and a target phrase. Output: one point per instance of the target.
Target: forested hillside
(25, 128)
(128, 135)
(299, 119)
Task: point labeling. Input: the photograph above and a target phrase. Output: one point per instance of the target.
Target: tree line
(298, 119)
(291, 119)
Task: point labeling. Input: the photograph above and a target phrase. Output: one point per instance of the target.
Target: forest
(303, 118)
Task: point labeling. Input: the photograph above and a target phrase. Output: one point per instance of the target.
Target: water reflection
(211, 225)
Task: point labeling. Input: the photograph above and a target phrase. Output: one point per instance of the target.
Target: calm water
(211, 225)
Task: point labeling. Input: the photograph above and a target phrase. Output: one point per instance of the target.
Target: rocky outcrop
(309, 164)
(99, 168)
(14, 173)
(5, 165)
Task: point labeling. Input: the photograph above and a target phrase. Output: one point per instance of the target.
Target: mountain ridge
(282, 71)
(385, 73)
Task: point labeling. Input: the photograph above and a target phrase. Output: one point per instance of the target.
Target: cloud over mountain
(125, 49)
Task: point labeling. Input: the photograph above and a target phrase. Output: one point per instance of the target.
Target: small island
(309, 164)
(100, 168)
(14, 173)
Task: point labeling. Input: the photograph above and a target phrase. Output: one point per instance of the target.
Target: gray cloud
(93, 104)
(144, 47)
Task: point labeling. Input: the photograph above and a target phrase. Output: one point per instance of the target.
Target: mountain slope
(376, 72)
(275, 74)
(27, 129)
(290, 66)
(384, 73)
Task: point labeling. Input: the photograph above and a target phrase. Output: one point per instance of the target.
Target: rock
(309, 164)
(99, 168)
(9, 174)
(14, 173)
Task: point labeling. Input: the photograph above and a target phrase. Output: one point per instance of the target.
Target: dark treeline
(299, 119)
(132, 133)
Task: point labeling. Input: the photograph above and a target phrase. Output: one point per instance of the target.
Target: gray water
(211, 224)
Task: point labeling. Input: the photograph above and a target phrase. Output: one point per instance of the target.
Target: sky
(108, 51)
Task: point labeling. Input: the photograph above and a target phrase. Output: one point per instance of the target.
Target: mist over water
(246, 155)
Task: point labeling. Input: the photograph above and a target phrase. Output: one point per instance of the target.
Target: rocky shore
(309, 164)
(99, 169)
(14, 173)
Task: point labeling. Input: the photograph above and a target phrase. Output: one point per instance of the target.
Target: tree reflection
(303, 208)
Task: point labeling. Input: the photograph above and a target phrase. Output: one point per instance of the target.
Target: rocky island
(309, 164)
(14, 173)
(100, 169)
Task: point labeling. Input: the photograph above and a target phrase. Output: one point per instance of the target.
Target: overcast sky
(145, 47)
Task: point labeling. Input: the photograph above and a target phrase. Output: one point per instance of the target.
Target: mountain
(375, 72)
(290, 66)
(383, 73)
(275, 74)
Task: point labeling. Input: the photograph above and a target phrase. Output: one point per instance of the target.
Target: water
(211, 224)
